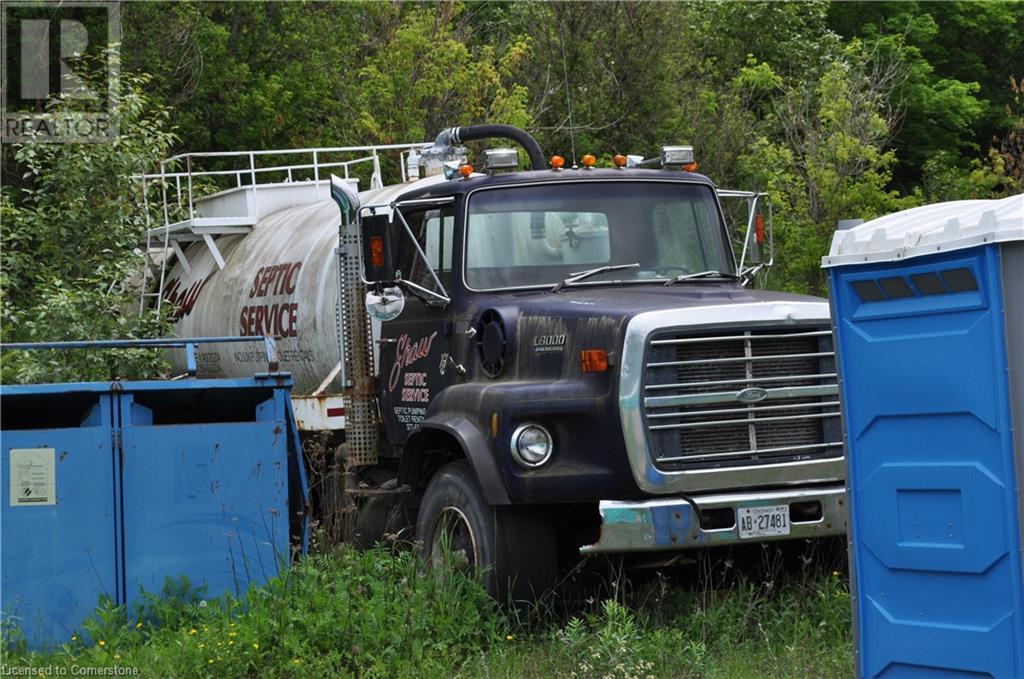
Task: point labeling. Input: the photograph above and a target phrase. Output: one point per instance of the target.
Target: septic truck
(528, 365)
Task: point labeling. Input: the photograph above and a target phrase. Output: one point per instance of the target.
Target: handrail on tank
(189, 344)
(167, 174)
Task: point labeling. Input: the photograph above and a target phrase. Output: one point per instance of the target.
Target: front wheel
(512, 549)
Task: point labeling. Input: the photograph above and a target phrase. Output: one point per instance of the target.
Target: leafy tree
(69, 247)
(425, 76)
(956, 56)
(830, 163)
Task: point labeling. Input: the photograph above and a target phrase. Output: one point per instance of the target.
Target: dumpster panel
(205, 500)
(59, 552)
(936, 536)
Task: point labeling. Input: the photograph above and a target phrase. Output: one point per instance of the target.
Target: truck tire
(512, 549)
(379, 517)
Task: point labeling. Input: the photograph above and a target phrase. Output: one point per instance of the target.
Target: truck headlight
(531, 445)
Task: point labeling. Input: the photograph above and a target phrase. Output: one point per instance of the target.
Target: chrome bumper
(671, 523)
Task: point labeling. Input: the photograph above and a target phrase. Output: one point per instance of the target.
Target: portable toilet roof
(929, 229)
(928, 317)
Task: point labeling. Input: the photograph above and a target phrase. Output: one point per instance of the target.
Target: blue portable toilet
(928, 309)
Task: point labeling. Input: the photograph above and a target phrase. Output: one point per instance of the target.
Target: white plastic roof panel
(929, 229)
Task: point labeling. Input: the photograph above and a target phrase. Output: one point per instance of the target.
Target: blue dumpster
(928, 309)
(110, 488)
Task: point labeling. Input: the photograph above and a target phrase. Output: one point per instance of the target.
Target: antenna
(568, 99)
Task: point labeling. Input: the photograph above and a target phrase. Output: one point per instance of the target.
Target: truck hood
(543, 333)
(624, 302)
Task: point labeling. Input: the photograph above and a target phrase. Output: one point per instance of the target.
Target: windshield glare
(539, 235)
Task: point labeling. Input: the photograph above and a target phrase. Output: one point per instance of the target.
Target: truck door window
(433, 230)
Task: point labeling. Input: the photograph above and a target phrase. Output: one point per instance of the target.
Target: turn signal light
(465, 171)
(589, 160)
(557, 162)
(594, 360)
(620, 160)
(759, 226)
(377, 251)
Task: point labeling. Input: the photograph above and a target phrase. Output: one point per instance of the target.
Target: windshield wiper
(583, 275)
(683, 277)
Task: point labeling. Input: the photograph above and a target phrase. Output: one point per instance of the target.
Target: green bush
(371, 614)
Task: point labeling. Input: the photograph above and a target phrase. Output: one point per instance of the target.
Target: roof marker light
(589, 161)
(557, 162)
(465, 171)
(620, 161)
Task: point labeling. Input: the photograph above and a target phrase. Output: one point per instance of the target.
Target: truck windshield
(527, 236)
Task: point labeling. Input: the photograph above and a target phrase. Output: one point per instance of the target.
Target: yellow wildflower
(74, 637)
(138, 625)
(210, 661)
(232, 634)
(296, 661)
(117, 657)
(231, 642)
(510, 637)
(192, 632)
(102, 643)
(256, 647)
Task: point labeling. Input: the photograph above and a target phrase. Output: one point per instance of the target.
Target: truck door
(415, 346)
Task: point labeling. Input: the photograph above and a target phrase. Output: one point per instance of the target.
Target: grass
(380, 613)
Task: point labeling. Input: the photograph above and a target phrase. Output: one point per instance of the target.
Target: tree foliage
(839, 110)
(70, 238)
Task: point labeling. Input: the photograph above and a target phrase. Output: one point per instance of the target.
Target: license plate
(760, 522)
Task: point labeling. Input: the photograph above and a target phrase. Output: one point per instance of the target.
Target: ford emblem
(751, 395)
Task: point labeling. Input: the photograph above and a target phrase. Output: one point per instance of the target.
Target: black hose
(456, 135)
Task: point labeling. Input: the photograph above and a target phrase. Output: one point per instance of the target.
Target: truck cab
(572, 360)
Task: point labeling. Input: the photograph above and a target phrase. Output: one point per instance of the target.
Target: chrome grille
(694, 418)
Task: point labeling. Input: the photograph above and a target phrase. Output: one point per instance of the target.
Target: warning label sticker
(32, 476)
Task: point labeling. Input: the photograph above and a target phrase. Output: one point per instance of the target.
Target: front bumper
(671, 523)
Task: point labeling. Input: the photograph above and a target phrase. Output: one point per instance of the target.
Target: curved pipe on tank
(457, 135)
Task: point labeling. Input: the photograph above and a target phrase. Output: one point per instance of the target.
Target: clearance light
(691, 167)
(465, 171)
(589, 161)
(377, 251)
(494, 425)
(620, 161)
(594, 360)
(759, 226)
(557, 162)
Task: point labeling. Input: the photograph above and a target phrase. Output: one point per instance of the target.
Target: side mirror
(378, 261)
(758, 250)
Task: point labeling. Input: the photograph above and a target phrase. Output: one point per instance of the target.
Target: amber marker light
(557, 162)
(691, 167)
(620, 161)
(377, 251)
(589, 161)
(494, 425)
(594, 360)
(465, 171)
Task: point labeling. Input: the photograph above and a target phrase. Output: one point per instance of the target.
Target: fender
(474, 446)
